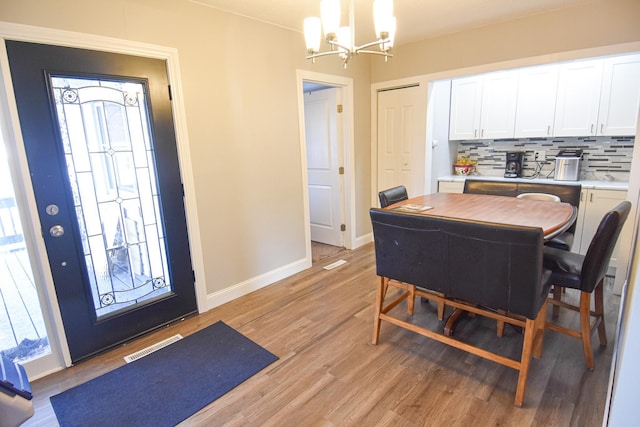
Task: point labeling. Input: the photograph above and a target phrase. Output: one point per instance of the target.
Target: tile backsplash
(604, 158)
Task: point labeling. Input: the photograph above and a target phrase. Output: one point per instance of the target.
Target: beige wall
(596, 24)
(238, 77)
(239, 83)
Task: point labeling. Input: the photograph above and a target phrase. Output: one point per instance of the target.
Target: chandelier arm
(375, 43)
(375, 52)
(319, 54)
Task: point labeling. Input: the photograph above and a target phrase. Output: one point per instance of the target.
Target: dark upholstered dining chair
(586, 273)
(392, 195)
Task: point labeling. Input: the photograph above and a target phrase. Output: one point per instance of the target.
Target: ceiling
(417, 19)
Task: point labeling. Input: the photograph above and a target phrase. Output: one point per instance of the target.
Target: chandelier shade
(341, 40)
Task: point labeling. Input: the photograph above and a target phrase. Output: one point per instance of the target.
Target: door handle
(56, 231)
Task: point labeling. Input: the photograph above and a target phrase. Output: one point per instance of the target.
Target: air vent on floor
(155, 347)
(335, 264)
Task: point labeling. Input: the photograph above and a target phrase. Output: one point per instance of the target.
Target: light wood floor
(319, 323)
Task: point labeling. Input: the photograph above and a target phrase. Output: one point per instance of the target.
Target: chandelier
(341, 40)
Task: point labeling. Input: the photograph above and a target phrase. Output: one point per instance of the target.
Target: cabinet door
(466, 98)
(536, 103)
(594, 204)
(450, 186)
(620, 96)
(578, 98)
(498, 111)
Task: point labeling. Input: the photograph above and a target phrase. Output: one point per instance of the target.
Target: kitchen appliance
(513, 168)
(568, 164)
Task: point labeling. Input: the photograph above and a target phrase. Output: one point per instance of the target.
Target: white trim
(107, 44)
(349, 202)
(243, 288)
(363, 240)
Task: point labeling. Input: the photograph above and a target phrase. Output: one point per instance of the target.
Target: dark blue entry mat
(167, 386)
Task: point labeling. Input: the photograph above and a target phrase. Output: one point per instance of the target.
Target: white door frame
(348, 201)
(24, 191)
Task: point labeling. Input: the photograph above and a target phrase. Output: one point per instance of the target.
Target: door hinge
(343, 227)
(339, 108)
(170, 96)
(341, 170)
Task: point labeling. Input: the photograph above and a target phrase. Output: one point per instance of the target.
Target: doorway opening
(327, 158)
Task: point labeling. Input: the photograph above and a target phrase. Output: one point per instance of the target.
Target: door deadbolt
(52, 210)
(56, 231)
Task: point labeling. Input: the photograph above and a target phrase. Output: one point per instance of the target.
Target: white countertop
(600, 185)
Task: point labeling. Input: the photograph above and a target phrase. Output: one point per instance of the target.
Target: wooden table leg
(452, 321)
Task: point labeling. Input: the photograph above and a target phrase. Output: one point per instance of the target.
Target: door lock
(52, 210)
(56, 231)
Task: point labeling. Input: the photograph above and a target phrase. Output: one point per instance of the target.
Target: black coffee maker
(513, 168)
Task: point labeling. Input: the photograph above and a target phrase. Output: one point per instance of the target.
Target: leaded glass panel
(110, 162)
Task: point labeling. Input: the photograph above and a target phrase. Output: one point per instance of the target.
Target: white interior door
(323, 138)
(401, 139)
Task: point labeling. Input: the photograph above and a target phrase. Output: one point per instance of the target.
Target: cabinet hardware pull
(601, 128)
(475, 133)
(591, 128)
(548, 129)
(591, 198)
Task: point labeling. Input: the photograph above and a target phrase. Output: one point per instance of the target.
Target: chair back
(596, 260)
(392, 195)
(493, 188)
(545, 197)
(492, 265)
(568, 193)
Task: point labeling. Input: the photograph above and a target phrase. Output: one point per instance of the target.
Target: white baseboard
(362, 240)
(236, 291)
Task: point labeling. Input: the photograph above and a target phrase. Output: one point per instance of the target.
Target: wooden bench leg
(411, 299)
(532, 346)
(500, 324)
(383, 284)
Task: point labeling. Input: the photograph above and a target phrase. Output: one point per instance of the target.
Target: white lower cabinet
(450, 186)
(594, 204)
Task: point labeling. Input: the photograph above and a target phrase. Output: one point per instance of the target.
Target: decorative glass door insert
(104, 125)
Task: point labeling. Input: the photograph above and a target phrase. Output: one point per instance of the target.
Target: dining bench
(492, 270)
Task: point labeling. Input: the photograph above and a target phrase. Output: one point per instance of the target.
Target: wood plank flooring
(320, 323)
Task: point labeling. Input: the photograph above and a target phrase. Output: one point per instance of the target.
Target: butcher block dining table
(553, 217)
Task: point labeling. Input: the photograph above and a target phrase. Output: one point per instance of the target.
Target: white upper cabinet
(483, 106)
(466, 99)
(536, 105)
(498, 111)
(620, 96)
(598, 97)
(578, 98)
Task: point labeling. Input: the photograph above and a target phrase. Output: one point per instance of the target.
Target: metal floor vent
(335, 264)
(155, 347)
